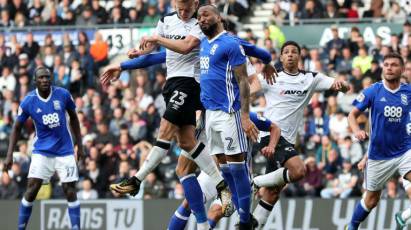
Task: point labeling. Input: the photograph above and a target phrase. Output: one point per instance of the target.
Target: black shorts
(182, 97)
(283, 152)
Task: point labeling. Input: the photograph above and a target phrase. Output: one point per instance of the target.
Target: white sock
(157, 153)
(406, 214)
(203, 226)
(271, 179)
(261, 212)
(206, 163)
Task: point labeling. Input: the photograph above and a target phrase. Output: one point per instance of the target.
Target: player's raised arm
(14, 136)
(240, 73)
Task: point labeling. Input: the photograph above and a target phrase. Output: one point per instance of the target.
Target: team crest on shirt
(360, 97)
(213, 49)
(56, 105)
(404, 99)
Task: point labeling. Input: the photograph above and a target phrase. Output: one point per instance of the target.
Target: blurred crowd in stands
(120, 125)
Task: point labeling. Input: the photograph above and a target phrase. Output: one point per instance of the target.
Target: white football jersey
(180, 65)
(287, 98)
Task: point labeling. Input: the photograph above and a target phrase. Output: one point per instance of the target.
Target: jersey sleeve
(160, 28)
(196, 32)
(262, 123)
(23, 112)
(323, 82)
(69, 101)
(363, 100)
(235, 52)
(254, 51)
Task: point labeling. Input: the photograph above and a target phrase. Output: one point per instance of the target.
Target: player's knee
(270, 195)
(32, 189)
(297, 174)
(182, 170)
(187, 145)
(70, 191)
(371, 202)
(215, 213)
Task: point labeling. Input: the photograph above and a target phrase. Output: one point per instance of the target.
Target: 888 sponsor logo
(204, 63)
(52, 120)
(393, 113)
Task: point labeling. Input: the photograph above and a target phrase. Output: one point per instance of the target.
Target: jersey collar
(41, 98)
(292, 74)
(390, 90)
(217, 36)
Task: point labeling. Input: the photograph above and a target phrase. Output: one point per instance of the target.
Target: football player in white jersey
(286, 100)
(180, 34)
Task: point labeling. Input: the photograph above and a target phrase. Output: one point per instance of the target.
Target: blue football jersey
(390, 134)
(53, 137)
(219, 88)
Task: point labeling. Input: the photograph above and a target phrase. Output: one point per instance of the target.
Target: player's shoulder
(406, 87)
(172, 15)
(57, 89)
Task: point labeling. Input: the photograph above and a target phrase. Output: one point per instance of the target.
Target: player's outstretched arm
(269, 72)
(352, 121)
(112, 72)
(14, 136)
(240, 73)
(180, 46)
(75, 126)
(340, 85)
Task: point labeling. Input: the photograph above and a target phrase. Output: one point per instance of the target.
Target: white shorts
(207, 186)
(378, 172)
(225, 134)
(43, 167)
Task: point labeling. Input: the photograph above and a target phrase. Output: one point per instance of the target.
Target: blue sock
(24, 213)
(74, 213)
(212, 223)
(179, 219)
(359, 215)
(242, 185)
(228, 177)
(194, 196)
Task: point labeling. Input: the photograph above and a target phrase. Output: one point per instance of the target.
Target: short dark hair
(396, 56)
(290, 43)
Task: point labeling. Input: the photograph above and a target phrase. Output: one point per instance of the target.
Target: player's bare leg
(167, 131)
(33, 187)
(73, 204)
(293, 171)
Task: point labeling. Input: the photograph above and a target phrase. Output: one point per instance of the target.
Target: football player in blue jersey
(53, 149)
(389, 105)
(225, 94)
(180, 217)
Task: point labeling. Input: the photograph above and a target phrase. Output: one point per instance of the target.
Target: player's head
(186, 8)
(42, 77)
(209, 19)
(290, 55)
(393, 67)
